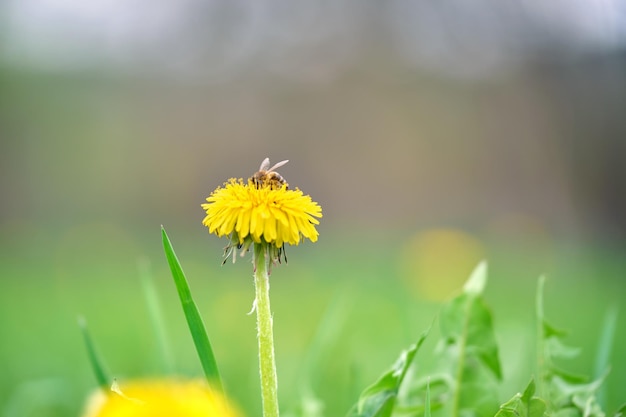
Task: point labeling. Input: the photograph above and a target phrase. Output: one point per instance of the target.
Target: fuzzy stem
(265, 335)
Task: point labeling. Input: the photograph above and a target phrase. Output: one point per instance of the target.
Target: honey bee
(266, 176)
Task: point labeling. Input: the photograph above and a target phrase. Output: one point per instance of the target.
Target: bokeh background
(434, 134)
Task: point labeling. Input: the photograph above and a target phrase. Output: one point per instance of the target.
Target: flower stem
(267, 363)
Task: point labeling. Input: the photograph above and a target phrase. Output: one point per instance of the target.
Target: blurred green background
(432, 135)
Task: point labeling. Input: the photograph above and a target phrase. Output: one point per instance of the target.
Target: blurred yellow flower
(435, 262)
(160, 398)
(266, 214)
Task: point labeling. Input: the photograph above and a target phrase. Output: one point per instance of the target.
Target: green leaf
(568, 376)
(379, 399)
(550, 331)
(477, 281)
(467, 330)
(557, 349)
(104, 381)
(466, 322)
(523, 405)
(196, 325)
(566, 394)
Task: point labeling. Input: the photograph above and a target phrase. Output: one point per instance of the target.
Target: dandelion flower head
(261, 210)
(160, 398)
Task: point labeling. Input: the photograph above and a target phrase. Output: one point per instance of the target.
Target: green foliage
(566, 394)
(605, 346)
(523, 405)
(379, 399)
(194, 320)
(427, 401)
(45, 365)
(469, 348)
(469, 364)
(466, 381)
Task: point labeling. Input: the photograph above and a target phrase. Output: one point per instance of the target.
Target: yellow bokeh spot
(436, 263)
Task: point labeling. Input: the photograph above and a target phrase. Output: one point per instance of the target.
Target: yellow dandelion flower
(262, 210)
(160, 398)
(264, 213)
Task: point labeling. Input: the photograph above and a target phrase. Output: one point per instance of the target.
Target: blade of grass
(155, 313)
(604, 350)
(540, 325)
(194, 320)
(427, 401)
(104, 381)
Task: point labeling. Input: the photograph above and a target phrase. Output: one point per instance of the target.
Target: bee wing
(265, 165)
(277, 165)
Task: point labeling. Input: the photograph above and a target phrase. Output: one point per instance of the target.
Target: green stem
(267, 364)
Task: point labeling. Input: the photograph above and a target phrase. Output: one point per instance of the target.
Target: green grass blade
(540, 332)
(196, 325)
(427, 401)
(605, 346)
(156, 316)
(104, 381)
